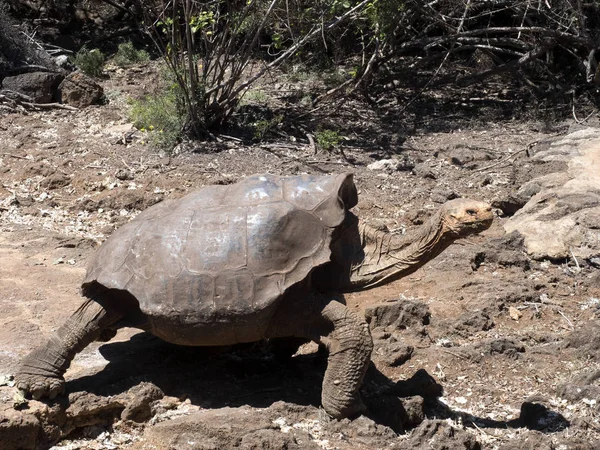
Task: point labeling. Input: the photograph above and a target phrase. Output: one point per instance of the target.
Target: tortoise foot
(38, 386)
(342, 411)
(38, 378)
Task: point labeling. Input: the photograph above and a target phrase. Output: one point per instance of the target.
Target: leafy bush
(264, 126)
(127, 55)
(328, 139)
(90, 62)
(161, 114)
(208, 46)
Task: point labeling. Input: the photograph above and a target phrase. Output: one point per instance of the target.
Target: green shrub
(127, 55)
(161, 115)
(90, 62)
(265, 126)
(328, 139)
(253, 96)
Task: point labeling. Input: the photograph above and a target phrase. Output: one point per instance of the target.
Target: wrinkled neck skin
(389, 257)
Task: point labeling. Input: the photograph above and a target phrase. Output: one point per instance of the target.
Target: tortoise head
(462, 217)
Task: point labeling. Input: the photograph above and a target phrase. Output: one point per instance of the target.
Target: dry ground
(504, 329)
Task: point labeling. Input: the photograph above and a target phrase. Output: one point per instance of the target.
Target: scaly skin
(41, 372)
(347, 338)
(386, 258)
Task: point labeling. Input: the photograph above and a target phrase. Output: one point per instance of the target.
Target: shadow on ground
(218, 377)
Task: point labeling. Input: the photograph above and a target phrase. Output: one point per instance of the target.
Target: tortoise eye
(471, 212)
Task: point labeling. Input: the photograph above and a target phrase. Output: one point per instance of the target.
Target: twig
(446, 56)
(468, 80)
(567, 319)
(456, 354)
(14, 156)
(126, 165)
(50, 106)
(30, 68)
(119, 6)
(497, 163)
(32, 105)
(328, 162)
(575, 115)
(536, 304)
(311, 141)
(230, 138)
(575, 259)
(292, 50)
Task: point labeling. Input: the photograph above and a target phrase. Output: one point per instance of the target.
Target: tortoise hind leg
(348, 340)
(41, 372)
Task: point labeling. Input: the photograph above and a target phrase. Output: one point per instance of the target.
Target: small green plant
(254, 96)
(161, 115)
(327, 139)
(335, 77)
(298, 75)
(264, 126)
(90, 62)
(127, 55)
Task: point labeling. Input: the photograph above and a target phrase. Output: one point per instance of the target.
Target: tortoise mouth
(475, 227)
(486, 223)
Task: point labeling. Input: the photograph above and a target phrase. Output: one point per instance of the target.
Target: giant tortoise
(255, 260)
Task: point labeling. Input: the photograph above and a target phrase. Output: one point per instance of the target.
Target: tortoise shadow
(210, 377)
(248, 374)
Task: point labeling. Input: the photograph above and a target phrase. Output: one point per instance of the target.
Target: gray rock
(392, 165)
(223, 428)
(62, 61)
(492, 347)
(473, 321)
(80, 91)
(537, 414)
(42, 87)
(509, 204)
(18, 431)
(595, 262)
(138, 401)
(392, 354)
(464, 156)
(558, 221)
(528, 190)
(442, 195)
(399, 314)
(424, 170)
(55, 181)
(440, 434)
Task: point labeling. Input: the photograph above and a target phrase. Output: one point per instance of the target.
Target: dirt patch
(461, 346)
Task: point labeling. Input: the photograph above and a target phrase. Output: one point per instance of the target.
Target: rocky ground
(485, 347)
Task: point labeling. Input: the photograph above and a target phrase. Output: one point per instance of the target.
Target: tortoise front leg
(41, 372)
(348, 340)
(350, 345)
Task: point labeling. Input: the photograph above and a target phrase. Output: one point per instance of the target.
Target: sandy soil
(505, 332)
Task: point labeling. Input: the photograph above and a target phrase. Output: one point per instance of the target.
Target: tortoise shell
(225, 251)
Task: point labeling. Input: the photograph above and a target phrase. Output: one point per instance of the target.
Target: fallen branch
(14, 156)
(30, 68)
(468, 80)
(14, 102)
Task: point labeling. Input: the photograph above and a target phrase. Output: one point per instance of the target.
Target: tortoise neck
(388, 257)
